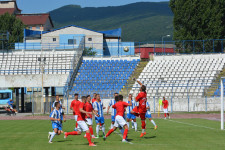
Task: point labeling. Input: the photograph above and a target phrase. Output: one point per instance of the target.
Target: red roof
(5, 10)
(34, 19)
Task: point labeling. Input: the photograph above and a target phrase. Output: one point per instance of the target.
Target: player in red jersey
(94, 98)
(75, 107)
(82, 126)
(165, 104)
(89, 108)
(141, 109)
(119, 120)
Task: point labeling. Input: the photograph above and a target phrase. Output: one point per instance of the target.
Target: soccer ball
(126, 49)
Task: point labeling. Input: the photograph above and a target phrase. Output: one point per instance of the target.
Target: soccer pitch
(171, 134)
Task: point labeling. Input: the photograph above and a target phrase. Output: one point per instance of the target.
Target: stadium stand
(103, 76)
(180, 76)
(29, 62)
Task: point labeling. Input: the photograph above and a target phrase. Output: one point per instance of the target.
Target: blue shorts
(99, 120)
(131, 116)
(113, 118)
(56, 125)
(148, 115)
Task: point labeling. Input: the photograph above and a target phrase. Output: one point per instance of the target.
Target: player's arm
(53, 119)
(85, 112)
(138, 81)
(147, 107)
(95, 113)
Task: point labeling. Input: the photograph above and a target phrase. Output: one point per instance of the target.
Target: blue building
(104, 43)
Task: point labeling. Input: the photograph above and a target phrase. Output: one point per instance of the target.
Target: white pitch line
(122, 137)
(193, 125)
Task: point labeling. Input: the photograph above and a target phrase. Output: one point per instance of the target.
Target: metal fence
(117, 48)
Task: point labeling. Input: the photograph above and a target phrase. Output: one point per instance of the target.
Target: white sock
(52, 136)
(51, 132)
(128, 124)
(97, 130)
(132, 122)
(112, 125)
(135, 126)
(103, 129)
(153, 122)
(143, 130)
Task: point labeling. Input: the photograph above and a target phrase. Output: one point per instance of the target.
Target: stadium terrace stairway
(214, 90)
(103, 76)
(126, 89)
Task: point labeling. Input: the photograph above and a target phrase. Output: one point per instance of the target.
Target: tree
(198, 20)
(89, 52)
(9, 23)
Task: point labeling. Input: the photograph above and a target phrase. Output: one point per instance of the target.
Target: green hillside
(143, 21)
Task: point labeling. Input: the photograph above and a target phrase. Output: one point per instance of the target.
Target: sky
(43, 6)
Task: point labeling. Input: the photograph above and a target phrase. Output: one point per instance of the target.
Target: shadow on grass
(84, 143)
(151, 137)
(64, 141)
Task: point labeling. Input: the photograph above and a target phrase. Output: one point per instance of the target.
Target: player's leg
(76, 125)
(83, 126)
(152, 121)
(143, 124)
(121, 122)
(132, 123)
(168, 114)
(128, 120)
(112, 130)
(135, 124)
(103, 126)
(55, 132)
(97, 120)
(113, 121)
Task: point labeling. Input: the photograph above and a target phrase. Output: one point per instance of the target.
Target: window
(30, 28)
(37, 27)
(4, 96)
(71, 41)
(54, 39)
(89, 39)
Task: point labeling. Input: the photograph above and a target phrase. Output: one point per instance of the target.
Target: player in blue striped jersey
(98, 108)
(60, 109)
(149, 115)
(113, 113)
(55, 117)
(131, 117)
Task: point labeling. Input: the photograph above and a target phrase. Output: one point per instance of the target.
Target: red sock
(91, 130)
(125, 134)
(88, 137)
(165, 114)
(168, 114)
(143, 124)
(110, 131)
(76, 124)
(72, 133)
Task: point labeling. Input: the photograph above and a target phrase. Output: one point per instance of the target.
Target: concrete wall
(50, 80)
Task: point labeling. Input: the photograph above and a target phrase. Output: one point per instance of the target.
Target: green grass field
(171, 134)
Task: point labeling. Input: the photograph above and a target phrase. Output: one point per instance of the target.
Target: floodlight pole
(42, 77)
(162, 40)
(222, 104)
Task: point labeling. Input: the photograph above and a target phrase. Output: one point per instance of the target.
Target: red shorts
(142, 115)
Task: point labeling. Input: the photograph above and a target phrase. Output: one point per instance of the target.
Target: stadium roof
(109, 33)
